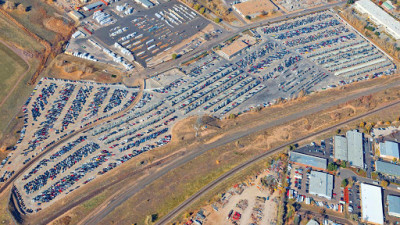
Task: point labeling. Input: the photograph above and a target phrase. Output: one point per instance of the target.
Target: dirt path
(23, 57)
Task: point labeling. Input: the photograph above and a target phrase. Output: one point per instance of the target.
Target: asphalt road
(118, 200)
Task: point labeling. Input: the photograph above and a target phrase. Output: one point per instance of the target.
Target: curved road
(106, 208)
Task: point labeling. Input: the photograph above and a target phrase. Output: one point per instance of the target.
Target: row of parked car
(290, 25)
(59, 168)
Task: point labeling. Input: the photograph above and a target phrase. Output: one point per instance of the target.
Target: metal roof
(371, 203)
(93, 5)
(312, 222)
(394, 205)
(388, 168)
(389, 148)
(321, 184)
(355, 153)
(379, 16)
(341, 148)
(146, 3)
(308, 160)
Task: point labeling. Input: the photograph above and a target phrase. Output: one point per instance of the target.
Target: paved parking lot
(144, 33)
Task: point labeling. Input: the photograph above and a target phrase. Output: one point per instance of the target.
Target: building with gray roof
(321, 184)
(389, 149)
(308, 160)
(145, 3)
(394, 205)
(387, 168)
(355, 153)
(340, 148)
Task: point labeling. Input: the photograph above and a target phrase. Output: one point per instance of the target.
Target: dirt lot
(249, 194)
(72, 68)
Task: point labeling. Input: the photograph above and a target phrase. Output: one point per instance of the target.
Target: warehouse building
(321, 184)
(371, 204)
(253, 8)
(393, 205)
(355, 153)
(76, 15)
(308, 160)
(340, 148)
(93, 6)
(387, 168)
(389, 149)
(145, 3)
(379, 17)
(388, 6)
(235, 48)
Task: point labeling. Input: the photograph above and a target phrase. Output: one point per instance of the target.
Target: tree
(202, 10)
(196, 7)
(217, 20)
(174, 56)
(232, 116)
(345, 182)
(343, 164)
(248, 17)
(384, 183)
(350, 2)
(332, 166)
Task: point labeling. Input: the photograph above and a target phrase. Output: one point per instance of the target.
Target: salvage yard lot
(260, 75)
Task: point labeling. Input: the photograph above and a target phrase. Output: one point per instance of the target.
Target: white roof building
(379, 16)
(321, 184)
(371, 203)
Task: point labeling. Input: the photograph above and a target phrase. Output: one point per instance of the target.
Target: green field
(12, 68)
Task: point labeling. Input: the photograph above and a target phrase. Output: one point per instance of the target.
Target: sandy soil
(250, 193)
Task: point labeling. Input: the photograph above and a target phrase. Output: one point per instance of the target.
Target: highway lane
(118, 200)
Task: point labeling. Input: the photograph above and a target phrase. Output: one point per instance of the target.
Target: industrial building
(340, 148)
(253, 8)
(235, 48)
(355, 153)
(145, 3)
(393, 205)
(387, 168)
(389, 149)
(308, 160)
(388, 6)
(93, 6)
(371, 204)
(379, 17)
(321, 184)
(312, 222)
(76, 15)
